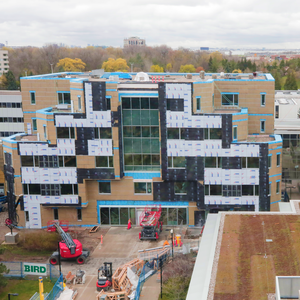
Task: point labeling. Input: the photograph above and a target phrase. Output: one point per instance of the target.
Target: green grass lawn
(25, 288)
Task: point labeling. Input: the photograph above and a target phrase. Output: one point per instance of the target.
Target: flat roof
(166, 77)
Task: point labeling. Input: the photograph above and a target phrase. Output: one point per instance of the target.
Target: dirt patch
(17, 253)
(259, 235)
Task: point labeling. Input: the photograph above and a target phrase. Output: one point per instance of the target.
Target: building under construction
(98, 150)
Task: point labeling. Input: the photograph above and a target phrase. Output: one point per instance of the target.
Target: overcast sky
(176, 23)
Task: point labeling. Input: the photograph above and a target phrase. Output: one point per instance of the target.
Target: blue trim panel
(275, 175)
(241, 120)
(142, 175)
(76, 89)
(275, 202)
(262, 115)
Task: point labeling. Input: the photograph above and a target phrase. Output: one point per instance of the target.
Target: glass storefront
(120, 215)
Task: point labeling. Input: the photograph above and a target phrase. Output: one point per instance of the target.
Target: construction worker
(129, 224)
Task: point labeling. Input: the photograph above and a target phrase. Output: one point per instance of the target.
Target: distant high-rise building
(204, 48)
(4, 65)
(134, 41)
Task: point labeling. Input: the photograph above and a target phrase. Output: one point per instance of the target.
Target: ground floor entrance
(119, 212)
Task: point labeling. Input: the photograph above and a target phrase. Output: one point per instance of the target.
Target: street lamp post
(161, 266)
(13, 294)
(172, 243)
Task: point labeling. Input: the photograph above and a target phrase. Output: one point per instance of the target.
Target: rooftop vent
(202, 74)
(141, 76)
(189, 76)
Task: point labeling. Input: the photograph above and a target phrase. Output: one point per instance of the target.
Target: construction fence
(156, 258)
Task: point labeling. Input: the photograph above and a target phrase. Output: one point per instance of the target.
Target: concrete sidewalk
(151, 289)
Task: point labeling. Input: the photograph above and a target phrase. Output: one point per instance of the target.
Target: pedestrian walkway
(151, 289)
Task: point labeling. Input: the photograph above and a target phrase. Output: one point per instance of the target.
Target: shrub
(39, 241)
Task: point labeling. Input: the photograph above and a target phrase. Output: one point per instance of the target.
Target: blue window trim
(64, 92)
(32, 124)
(198, 98)
(278, 180)
(263, 105)
(32, 92)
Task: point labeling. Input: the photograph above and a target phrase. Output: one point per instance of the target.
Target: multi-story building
(11, 113)
(101, 150)
(287, 119)
(4, 63)
(134, 41)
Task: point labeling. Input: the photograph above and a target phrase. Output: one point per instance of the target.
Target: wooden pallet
(112, 295)
(94, 229)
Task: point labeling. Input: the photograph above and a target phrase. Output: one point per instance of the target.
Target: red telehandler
(69, 249)
(150, 221)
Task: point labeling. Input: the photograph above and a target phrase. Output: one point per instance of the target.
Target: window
(278, 160)
(270, 188)
(34, 125)
(79, 102)
(276, 111)
(231, 99)
(213, 190)
(64, 97)
(141, 134)
(250, 162)
(173, 133)
(277, 187)
(103, 133)
(213, 162)
(79, 215)
(32, 189)
(32, 98)
(65, 132)
(262, 99)
(176, 162)
(108, 104)
(46, 161)
(26, 216)
(69, 189)
(45, 131)
(104, 162)
(235, 132)
(29, 161)
(50, 189)
(180, 188)
(231, 190)
(213, 100)
(198, 99)
(104, 187)
(212, 133)
(270, 161)
(55, 214)
(250, 190)
(67, 161)
(142, 187)
(262, 126)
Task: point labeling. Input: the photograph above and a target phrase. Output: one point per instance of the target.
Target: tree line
(26, 61)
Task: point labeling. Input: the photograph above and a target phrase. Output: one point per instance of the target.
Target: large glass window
(230, 99)
(213, 133)
(141, 134)
(213, 162)
(104, 187)
(143, 188)
(103, 133)
(67, 161)
(64, 98)
(65, 132)
(32, 97)
(104, 162)
(176, 162)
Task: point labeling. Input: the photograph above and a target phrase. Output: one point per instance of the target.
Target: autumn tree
(187, 69)
(169, 67)
(291, 83)
(115, 65)
(199, 69)
(237, 71)
(71, 65)
(156, 69)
